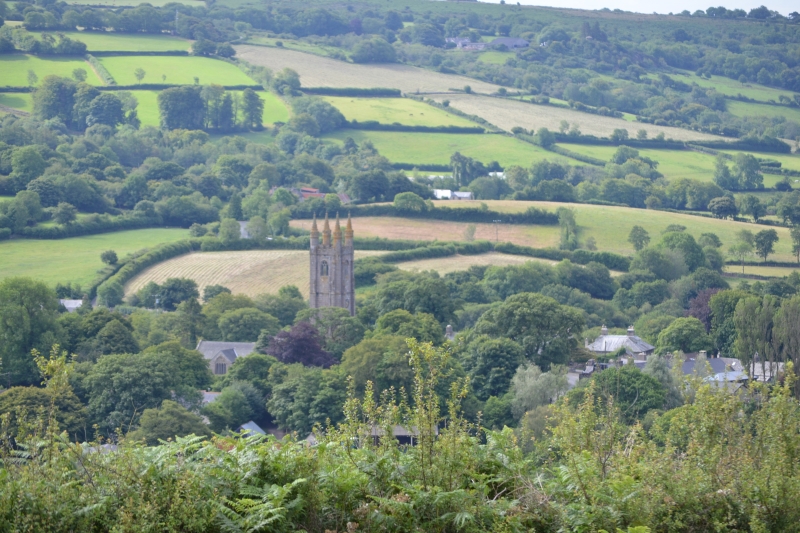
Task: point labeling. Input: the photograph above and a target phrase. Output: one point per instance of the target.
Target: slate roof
(251, 428)
(511, 42)
(718, 366)
(71, 305)
(231, 350)
(612, 343)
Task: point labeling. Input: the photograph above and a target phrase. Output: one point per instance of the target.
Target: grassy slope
(274, 108)
(401, 110)
(22, 101)
(177, 70)
(76, 259)
(436, 148)
(494, 57)
(119, 42)
(132, 3)
(748, 109)
(15, 67)
(679, 163)
(730, 87)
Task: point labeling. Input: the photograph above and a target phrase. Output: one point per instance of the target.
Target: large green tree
(167, 422)
(181, 108)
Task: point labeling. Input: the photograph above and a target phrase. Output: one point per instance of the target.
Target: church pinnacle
(326, 232)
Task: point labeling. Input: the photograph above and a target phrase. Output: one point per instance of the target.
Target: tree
(257, 229)
(420, 326)
(54, 98)
(684, 334)
(181, 108)
(70, 414)
(229, 231)
(225, 50)
(532, 388)
(685, 244)
(229, 410)
(235, 207)
(213, 290)
(139, 74)
(635, 393)
(32, 78)
(795, 234)
(65, 213)
(167, 422)
(116, 338)
(27, 164)
(491, 364)
(638, 237)
(764, 242)
(252, 109)
(301, 344)
(723, 207)
(287, 81)
(545, 329)
(176, 290)
(408, 202)
(375, 50)
(203, 47)
(340, 330)
(382, 360)
(748, 171)
(106, 109)
(245, 325)
(723, 176)
(109, 257)
(749, 204)
(79, 74)
(28, 312)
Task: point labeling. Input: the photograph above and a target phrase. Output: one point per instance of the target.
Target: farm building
(606, 344)
(510, 42)
(447, 194)
(221, 355)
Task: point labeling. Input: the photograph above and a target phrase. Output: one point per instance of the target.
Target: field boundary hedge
(532, 215)
(412, 166)
(107, 53)
(101, 224)
(15, 89)
(374, 125)
(104, 74)
(374, 92)
(162, 86)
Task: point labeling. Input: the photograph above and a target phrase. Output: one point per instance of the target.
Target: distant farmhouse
(511, 43)
(607, 344)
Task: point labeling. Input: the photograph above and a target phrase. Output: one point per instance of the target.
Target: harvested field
(317, 71)
(431, 230)
(443, 265)
(507, 114)
(775, 272)
(250, 273)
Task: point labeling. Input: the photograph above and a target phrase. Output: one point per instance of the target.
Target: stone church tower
(332, 280)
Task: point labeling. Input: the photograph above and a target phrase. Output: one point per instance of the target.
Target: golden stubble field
(507, 114)
(247, 272)
(318, 71)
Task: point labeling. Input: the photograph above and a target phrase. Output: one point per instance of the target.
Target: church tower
(332, 283)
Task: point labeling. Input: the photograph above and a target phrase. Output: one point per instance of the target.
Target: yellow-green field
(21, 101)
(443, 265)
(775, 272)
(731, 87)
(494, 57)
(436, 148)
(15, 67)
(180, 70)
(791, 162)
(274, 108)
(396, 110)
(749, 109)
(77, 259)
(100, 41)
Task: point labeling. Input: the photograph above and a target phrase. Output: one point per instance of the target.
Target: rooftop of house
(231, 350)
(633, 344)
(71, 305)
(511, 42)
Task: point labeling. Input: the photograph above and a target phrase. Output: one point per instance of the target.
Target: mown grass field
(494, 57)
(250, 272)
(181, 70)
(787, 161)
(14, 69)
(610, 225)
(396, 110)
(436, 148)
(508, 113)
(99, 41)
(775, 272)
(77, 259)
(318, 71)
(274, 108)
(21, 101)
(730, 87)
(749, 109)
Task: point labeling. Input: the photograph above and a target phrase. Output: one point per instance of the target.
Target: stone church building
(332, 280)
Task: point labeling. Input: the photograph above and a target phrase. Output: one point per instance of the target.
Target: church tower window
(323, 269)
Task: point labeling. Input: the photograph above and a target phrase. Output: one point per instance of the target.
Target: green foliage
(167, 422)
(246, 324)
(685, 335)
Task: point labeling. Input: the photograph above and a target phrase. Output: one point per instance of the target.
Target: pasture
(178, 70)
(773, 272)
(21, 101)
(15, 69)
(75, 260)
(611, 225)
(396, 110)
(436, 148)
(274, 108)
(730, 87)
(749, 109)
(494, 57)
(790, 161)
(251, 272)
(131, 3)
(317, 71)
(101, 41)
(507, 113)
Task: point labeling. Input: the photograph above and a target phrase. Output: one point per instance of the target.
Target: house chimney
(604, 330)
(631, 332)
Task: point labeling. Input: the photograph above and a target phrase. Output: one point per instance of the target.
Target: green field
(396, 110)
(274, 108)
(494, 57)
(731, 87)
(292, 44)
(791, 162)
(15, 67)
(610, 225)
(748, 109)
(75, 260)
(436, 148)
(131, 3)
(21, 101)
(98, 41)
(774, 272)
(677, 164)
(180, 70)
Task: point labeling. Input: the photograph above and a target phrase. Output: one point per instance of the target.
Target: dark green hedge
(374, 125)
(610, 260)
(133, 53)
(353, 91)
(431, 168)
(764, 144)
(102, 224)
(160, 86)
(5, 233)
(533, 215)
(438, 250)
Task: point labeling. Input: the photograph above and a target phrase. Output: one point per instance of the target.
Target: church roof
(230, 350)
(612, 343)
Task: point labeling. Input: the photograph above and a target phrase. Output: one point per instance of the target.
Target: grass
(508, 113)
(296, 45)
(610, 226)
(15, 67)
(730, 87)
(436, 148)
(99, 41)
(787, 161)
(773, 272)
(749, 109)
(132, 3)
(21, 101)
(317, 71)
(494, 57)
(180, 70)
(396, 110)
(251, 272)
(274, 108)
(75, 260)
(675, 164)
